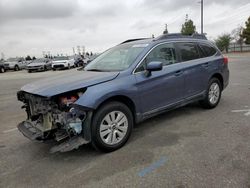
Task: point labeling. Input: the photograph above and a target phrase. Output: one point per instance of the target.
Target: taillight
(225, 60)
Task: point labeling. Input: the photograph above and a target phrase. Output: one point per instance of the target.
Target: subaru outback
(126, 84)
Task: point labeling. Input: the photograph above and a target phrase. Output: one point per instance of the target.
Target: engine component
(75, 125)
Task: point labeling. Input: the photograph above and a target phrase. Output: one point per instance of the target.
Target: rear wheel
(111, 127)
(213, 94)
(16, 68)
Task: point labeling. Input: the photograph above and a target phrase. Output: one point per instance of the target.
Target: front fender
(95, 95)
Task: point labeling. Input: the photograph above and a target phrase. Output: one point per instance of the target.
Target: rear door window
(207, 50)
(188, 51)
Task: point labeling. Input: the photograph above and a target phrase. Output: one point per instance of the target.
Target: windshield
(39, 61)
(116, 59)
(61, 58)
(12, 59)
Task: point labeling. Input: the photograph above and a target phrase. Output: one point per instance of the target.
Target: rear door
(195, 69)
(163, 87)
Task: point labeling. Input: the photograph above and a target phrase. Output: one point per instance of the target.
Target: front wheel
(111, 127)
(213, 94)
(2, 70)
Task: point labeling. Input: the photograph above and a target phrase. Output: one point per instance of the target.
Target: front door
(161, 88)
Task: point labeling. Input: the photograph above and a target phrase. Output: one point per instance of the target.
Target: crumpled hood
(68, 82)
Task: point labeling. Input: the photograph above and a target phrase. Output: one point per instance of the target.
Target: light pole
(201, 16)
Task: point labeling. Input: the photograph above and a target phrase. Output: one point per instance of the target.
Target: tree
(246, 32)
(33, 58)
(28, 58)
(166, 29)
(223, 42)
(188, 28)
(237, 36)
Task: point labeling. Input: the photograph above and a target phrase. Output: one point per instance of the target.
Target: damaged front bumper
(46, 120)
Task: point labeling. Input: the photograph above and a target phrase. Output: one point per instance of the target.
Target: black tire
(68, 66)
(53, 69)
(2, 70)
(105, 109)
(206, 103)
(16, 68)
(44, 68)
(29, 71)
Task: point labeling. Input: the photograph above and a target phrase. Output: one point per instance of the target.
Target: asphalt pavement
(187, 147)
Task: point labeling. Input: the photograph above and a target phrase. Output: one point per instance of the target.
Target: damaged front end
(56, 118)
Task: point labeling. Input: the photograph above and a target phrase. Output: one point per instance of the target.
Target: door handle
(178, 73)
(205, 65)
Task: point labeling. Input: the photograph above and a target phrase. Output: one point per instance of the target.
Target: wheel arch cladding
(219, 77)
(122, 99)
(94, 99)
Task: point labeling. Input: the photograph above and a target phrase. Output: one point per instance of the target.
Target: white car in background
(62, 63)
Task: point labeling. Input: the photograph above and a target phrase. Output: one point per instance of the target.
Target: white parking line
(238, 84)
(10, 130)
(247, 111)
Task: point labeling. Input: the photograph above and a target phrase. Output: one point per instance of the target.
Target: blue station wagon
(126, 84)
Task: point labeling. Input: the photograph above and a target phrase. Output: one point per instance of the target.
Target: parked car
(41, 64)
(78, 60)
(127, 84)
(15, 64)
(62, 63)
(87, 60)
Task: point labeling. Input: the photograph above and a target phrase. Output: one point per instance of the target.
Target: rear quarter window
(207, 50)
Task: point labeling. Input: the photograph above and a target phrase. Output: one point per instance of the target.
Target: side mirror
(153, 66)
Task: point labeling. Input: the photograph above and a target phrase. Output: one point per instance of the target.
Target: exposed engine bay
(55, 118)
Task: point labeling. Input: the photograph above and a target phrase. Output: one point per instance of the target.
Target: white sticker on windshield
(139, 45)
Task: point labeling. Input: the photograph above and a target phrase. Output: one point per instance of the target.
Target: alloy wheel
(214, 93)
(114, 127)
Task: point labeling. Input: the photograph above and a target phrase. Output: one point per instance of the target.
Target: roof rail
(179, 35)
(131, 40)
